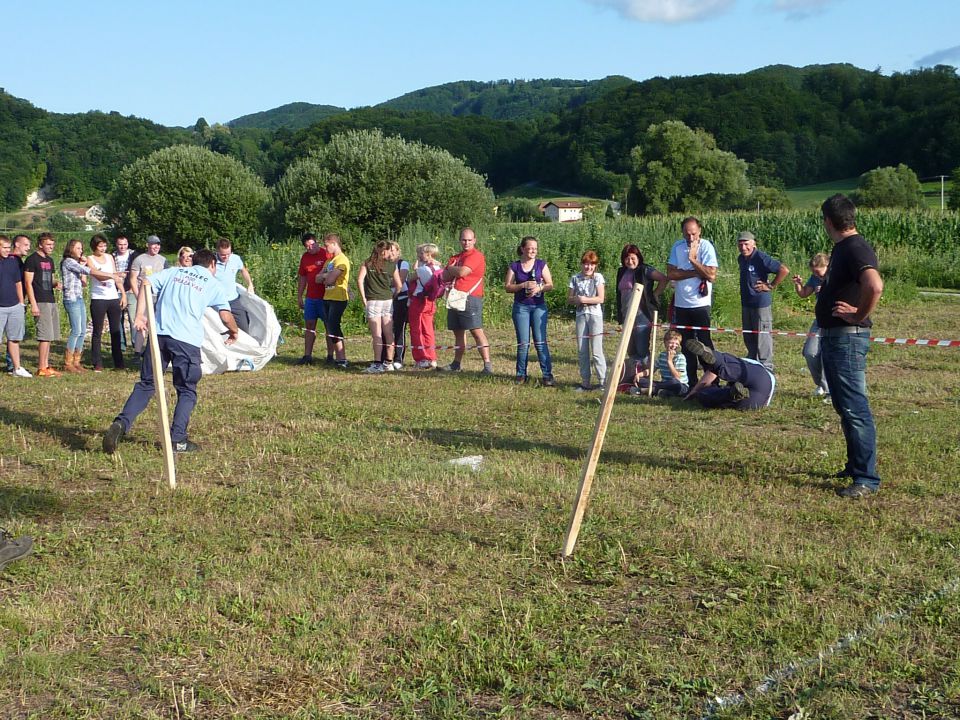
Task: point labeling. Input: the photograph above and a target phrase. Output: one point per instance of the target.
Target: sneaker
(700, 350)
(185, 446)
(98, 368)
(520, 380)
(433, 365)
(486, 370)
(740, 392)
(374, 369)
(12, 548)
(47, 372)
(548, 381)
(305, 360)
(21, 372)
(819, 392)
(329, 361)
(389, 367)
(398, 366)
(857, 490)
(451, 368)
(112, 436)
(583, 388)
(425, 365)
(341, 364)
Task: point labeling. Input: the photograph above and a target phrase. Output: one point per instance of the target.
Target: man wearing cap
(183, 294)
(143, 266)
(756, 288)
(851, 290)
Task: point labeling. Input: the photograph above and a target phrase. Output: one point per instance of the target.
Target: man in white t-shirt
(143, 266)
(693, 269)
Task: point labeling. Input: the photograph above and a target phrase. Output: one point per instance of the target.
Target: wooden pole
(160, 392)
(653, 349)
(590, 465)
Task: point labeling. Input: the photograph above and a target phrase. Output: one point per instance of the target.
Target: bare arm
(508, 282)
(246, 276)
(361, 275)
(397, 282)
(547, 284)
(301, 288)
(453, 272)
(802, 290)
(871, 288)
(227, 318)
(28, 284)
(708, 377)
(661, 281)
(771, 286)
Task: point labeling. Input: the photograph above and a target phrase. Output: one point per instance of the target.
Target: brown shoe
(68, 360)
(48, 372)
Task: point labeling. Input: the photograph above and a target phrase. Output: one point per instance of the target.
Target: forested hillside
(294, 115)
(793, 125)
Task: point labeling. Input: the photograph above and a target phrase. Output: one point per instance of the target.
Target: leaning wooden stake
(590, 465)
(653, 350)
(160, 391)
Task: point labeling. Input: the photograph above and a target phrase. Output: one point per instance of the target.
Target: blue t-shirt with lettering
(183, 294)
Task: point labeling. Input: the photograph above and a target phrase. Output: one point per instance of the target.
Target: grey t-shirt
(146, 265)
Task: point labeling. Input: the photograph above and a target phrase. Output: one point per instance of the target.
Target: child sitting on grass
(672, 366)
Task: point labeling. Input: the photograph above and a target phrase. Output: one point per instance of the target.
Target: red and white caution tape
(929, 342)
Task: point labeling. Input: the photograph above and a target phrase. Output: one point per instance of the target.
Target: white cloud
(949, 56)
(666, 11)
(799, 9)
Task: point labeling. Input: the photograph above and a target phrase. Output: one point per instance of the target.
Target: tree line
(790, 126)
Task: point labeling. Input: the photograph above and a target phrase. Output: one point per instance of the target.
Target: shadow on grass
(461, 440)
(21, 502)
(46, 424)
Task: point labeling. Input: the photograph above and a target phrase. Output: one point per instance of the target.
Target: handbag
(457, 299)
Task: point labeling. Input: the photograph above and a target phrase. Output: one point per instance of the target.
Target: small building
(563, 210)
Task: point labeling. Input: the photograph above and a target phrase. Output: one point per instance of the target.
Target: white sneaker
(388, 367)
(819, 392)
(374, 369)
(398, 366)
(22, 372)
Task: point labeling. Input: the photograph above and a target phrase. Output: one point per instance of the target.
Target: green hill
(506, 99)
(294, 115)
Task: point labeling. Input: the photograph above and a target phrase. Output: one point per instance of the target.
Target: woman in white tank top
(107, 300)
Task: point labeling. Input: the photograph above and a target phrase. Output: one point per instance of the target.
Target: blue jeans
(77, 314)
(185, 359)
(844, 359)
(525, 318)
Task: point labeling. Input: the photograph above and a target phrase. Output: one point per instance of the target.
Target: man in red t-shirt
(311, 263)
(466, 272)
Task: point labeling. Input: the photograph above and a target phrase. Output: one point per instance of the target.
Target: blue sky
(175, 61)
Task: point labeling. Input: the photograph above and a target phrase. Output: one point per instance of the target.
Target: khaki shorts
(48, 324)
(12, 323)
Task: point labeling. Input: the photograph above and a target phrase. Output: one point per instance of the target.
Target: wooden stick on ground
(590, 465)
(653, 350)
(160, 392)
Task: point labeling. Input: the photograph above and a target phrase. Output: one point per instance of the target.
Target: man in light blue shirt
(182, 296)
(228, 265)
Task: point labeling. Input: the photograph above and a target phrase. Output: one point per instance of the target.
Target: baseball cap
(746, 235)
(153, 240)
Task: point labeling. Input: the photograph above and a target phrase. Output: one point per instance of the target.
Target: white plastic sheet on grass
(252, 350)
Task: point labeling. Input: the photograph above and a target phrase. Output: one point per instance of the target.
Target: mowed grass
(320, 558)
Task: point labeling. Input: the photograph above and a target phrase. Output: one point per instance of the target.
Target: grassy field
(321, 558)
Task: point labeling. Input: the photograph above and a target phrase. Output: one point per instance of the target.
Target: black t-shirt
(42, 269)
(850, 257)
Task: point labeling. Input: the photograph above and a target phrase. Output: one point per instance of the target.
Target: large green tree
(368, 183)
(889, 187)
(187, 195)
(678, 169)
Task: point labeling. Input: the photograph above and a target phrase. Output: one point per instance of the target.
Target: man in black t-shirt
(851, 290)
(39, 281)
